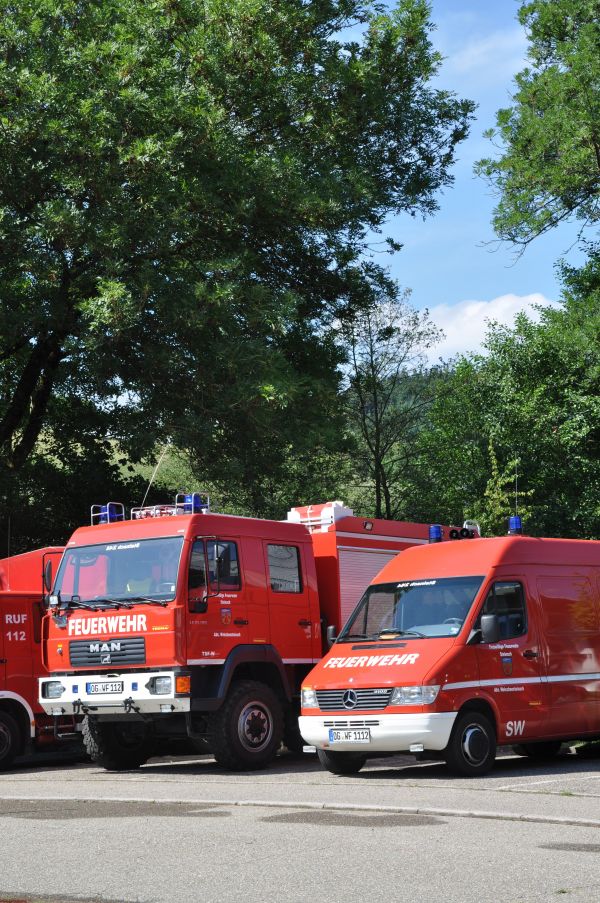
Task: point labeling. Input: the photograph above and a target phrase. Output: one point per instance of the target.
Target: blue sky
(451, 261)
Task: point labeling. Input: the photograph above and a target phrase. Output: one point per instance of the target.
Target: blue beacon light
(435, 533)
(515, 525)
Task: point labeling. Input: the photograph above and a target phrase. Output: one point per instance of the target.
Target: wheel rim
(475, 744)
(255, 726)
(5, 741)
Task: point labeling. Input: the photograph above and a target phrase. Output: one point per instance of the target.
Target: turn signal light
(183, 684)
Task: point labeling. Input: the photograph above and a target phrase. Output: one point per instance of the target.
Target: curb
(328, 807)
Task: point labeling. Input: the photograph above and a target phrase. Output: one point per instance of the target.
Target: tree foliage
(535, 398)
(389, 389)
(549, 169)
(187, 190)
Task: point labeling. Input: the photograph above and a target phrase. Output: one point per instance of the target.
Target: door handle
(530, 653)
(240, 621)
(304, 622)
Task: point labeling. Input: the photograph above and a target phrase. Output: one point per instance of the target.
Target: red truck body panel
(21, 595)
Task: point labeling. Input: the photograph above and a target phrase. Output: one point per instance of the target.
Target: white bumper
(389, 733)
(135, 696)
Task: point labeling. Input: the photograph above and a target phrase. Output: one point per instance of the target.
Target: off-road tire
(292, 738)
(107, 743)
(246, 732)
(547, 750)
(341, 762)
(10, 740)
(471, 750)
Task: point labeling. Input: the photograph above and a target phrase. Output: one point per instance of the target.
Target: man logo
(105, 660)
(112, 646)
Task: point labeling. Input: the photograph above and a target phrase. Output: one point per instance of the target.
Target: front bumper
(134, 698)
(389, 733)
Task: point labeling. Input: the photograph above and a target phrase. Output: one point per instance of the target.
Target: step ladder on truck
(178, 622)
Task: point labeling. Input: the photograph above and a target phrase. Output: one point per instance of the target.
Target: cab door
(511, 670)
(217, 608)
(289, 602)
(17, 630)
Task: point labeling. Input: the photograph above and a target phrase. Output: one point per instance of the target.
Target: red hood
(381, 664)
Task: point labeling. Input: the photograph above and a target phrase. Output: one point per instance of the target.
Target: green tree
(535, 396)
(389, 389)
(186, 196)
(549, 168)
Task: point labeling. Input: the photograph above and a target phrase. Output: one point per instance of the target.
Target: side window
(284, 569)
(508, 602)
(197, 573)
(223, 563)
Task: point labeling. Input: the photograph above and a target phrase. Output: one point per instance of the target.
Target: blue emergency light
(192, 502)
(515, 525)
(107, 514)
(435, 533)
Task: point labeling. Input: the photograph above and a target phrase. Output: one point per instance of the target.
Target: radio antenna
(516, 486)
(164, 451)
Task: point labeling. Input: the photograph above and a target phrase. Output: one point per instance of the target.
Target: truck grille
(373, 698)
(128, 651)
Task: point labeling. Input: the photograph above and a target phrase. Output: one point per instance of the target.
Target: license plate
(114, 686)
(354, 736)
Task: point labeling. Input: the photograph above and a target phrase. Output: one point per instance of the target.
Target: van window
(284, 569)
(506, 600)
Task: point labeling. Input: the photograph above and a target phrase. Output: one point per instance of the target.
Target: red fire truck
(23, 723)
(178, 622)
(458, 647)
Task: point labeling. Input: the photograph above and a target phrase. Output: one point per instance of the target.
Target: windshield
(118, 572)
(422, 608)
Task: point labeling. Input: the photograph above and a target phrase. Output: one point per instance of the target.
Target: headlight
(309, 698)
(414, 695)
(52, 690)
(161, 686)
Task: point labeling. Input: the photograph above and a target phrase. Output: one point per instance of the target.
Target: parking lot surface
(181, 829)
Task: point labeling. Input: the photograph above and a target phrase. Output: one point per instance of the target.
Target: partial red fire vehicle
(24, 725)
(178, 622)
(461, 646)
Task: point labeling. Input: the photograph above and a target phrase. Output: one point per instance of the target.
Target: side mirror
(490, 629)
(331, 637)
(200, 606)
(48, 575)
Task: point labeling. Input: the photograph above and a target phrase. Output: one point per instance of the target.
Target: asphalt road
(183, 830)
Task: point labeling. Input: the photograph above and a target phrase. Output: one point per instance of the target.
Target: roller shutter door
(357, 569)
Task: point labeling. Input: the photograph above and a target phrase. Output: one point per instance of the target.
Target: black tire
(292, 738)
(341, 762)
(547, 750)
(471, 750)
(117, 747)
(10, 740)
(246, 732)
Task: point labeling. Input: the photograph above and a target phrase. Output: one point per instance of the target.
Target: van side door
(512, 670)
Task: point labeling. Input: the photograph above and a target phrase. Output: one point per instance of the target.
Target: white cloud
(465, 324)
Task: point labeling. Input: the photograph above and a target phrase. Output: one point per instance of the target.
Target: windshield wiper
(397, 631)
(147, 600)
(105, 603)
(353, 636)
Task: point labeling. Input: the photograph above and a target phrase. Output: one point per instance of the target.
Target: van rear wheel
(471, 750)
(341, 762)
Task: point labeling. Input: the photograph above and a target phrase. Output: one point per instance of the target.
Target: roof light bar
(108, 513)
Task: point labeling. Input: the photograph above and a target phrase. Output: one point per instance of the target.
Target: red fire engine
(179, 622)
(23, 723)
(458, 647)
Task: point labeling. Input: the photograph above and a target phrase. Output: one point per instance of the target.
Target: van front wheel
(471, 750)
(341, 762)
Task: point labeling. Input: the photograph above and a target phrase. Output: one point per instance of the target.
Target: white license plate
(114, 686)
(353, 736)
